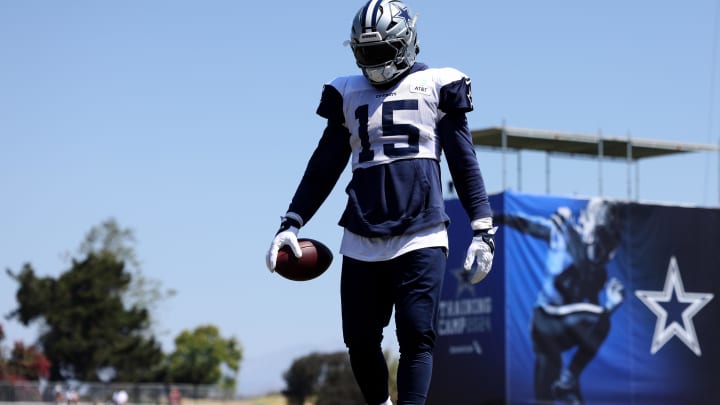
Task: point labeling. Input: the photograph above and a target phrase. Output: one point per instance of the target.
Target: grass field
(272, 399)
(275, 399)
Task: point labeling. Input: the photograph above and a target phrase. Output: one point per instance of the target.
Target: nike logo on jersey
(469, 93)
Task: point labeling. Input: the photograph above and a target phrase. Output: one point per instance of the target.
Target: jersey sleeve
(456, 141)
(322, 172)
(456, 95)
(327, 161)
(331, 105)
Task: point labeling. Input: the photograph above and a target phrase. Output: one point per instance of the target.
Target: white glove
(286, 236)
(481, 250)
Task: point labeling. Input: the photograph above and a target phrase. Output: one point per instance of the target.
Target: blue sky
(191, 122)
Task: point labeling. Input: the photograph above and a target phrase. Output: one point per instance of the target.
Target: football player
(571, 311)
(392, 123)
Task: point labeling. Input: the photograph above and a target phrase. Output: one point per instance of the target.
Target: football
(315, 259)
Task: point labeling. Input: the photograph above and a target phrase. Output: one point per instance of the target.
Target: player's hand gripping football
(481, 250)
(285, 236)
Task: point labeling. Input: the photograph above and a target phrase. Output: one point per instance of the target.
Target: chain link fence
(71, 393)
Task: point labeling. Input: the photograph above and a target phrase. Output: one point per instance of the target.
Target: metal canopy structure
(580, 145)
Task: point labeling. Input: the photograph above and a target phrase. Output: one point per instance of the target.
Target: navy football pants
(410, 284)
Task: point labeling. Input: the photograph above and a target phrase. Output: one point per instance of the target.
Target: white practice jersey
(400, 122)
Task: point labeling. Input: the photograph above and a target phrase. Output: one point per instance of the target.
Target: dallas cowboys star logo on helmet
(404, 13)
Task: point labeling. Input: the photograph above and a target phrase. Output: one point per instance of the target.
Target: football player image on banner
(576, 300)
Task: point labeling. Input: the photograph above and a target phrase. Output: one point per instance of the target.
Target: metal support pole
(503, 135)
(601, 151)
(637, 180)
(629, 167)
(547, 173)
(519, 171)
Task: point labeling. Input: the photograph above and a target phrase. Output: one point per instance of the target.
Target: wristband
(290, 220)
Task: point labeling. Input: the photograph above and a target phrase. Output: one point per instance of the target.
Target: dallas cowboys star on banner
(590, 301)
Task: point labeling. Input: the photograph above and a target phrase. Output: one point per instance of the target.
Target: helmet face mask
(377, 53)
(383, 40)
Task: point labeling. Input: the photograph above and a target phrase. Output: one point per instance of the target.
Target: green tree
(337, 384)
(201, 355)
(327, 377)
(96, 315)
(86, 324)
(302, 378)
(110, 237)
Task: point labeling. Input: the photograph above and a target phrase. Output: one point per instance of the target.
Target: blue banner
(589, 301)
(470, 350)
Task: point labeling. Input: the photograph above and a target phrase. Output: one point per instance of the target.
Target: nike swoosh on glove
(286, 236)
(481, 250)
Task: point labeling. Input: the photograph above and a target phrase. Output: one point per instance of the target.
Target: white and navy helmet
(384, 40)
